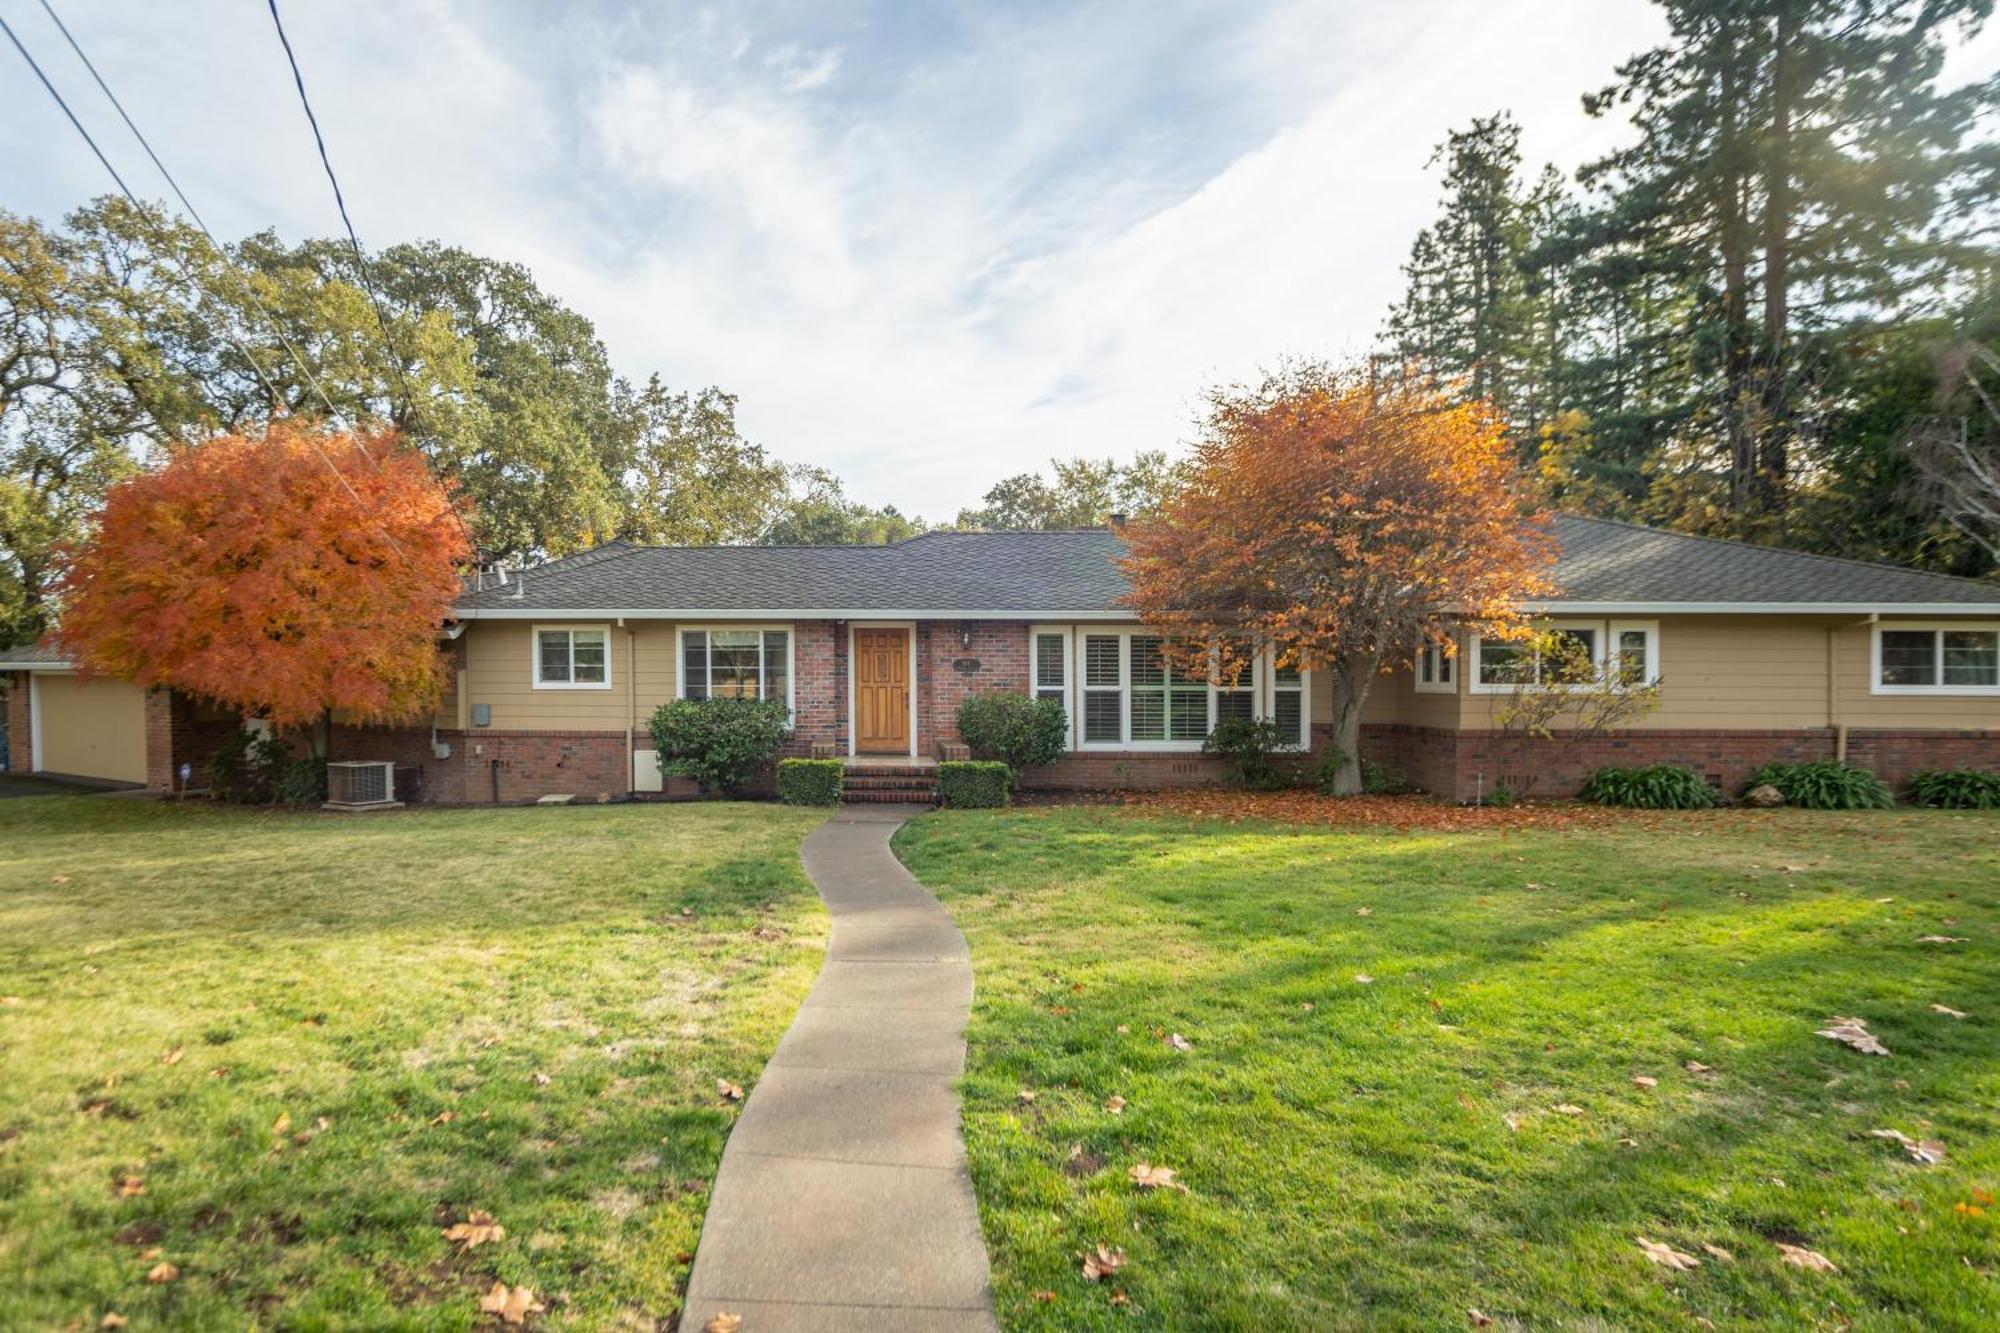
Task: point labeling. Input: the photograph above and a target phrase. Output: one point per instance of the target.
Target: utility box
(482, 715)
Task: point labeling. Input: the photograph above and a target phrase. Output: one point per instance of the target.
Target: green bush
(253, 769)
(1018, 731)
(1251, 747)
(810, 781)
(1325, 770)
(300, 782)
(1825, 784)
(720, 743)
(1382, 780)
(1955, 789)
(973, 784)
(1652, 787)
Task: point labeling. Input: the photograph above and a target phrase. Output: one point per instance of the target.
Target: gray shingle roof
(1031, 573)
(37, 654)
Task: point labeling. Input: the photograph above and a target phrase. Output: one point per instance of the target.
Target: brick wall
(180, 731)
(819, 695)
(1463, 765)
(19, 757)
(950, 671)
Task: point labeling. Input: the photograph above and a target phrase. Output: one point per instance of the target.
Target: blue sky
(929, 245)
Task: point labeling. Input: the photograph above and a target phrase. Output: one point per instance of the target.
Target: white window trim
(909, 628)
(535, 633)
(1070, 681)
(1449, 662)
(791, 657)
(1651, 629)
(1602, 629)
(1936, 628)
(1262, 688)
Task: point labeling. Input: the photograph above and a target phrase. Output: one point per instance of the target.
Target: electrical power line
(126, 190)
(248, 287)
(354, 244)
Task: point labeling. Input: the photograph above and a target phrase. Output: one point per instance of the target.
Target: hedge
(973, 784)
(1015, 729)
(720, 743)
(810, 781)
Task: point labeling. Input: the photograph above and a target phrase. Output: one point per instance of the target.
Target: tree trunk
(1734, 241)
(1773, 411)
(1353, 674)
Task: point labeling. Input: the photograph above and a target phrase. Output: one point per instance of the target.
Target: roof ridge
(1984, 585)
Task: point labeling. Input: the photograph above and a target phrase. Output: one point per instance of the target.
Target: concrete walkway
(843, 1200)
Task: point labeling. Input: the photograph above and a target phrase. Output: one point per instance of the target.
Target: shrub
(1326, 769)
(1018, 731)
(973, 784)
(720, 743)
(1652, 787)
(1383, 780)
(1825, 784)
(253, 769)
(300, 782)
(1251, 748)
(1955, 789)
(810, 781)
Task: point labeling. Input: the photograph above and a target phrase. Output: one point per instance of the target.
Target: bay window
(730, 662)
(1937, 659)
(572, 657)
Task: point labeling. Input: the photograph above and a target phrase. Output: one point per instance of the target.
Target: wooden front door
(882, 691)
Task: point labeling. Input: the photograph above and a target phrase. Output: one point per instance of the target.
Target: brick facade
(18, 757)
(1466, 765)
(951, 670)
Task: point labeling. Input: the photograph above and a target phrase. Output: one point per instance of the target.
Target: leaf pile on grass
(1394, 812)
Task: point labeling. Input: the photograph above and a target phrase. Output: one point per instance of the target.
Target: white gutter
(1769, 608)
(817, 613)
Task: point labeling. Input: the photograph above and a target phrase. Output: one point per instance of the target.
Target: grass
(313, 1042)
(1345, 1143)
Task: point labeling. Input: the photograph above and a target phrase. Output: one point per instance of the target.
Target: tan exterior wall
(1728, 673)
(499, 671)
(90, 730)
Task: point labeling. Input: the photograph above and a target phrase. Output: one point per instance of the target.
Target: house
(1759, 654)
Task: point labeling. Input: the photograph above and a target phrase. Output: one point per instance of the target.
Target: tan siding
(1861, 708)
(499, 671)
(94, 730)
(1395, 698)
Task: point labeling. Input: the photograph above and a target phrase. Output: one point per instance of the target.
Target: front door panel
(882, 691)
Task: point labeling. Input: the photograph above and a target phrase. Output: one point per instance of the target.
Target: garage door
(94, 730)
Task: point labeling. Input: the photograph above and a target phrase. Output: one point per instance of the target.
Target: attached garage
(94, 729)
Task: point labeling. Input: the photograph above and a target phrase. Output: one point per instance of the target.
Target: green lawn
(1345, 1143)
(281, 1053)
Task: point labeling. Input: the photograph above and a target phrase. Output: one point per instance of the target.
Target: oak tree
(287, 573)
(1341, 525)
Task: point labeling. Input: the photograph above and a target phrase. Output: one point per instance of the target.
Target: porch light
(965, 633)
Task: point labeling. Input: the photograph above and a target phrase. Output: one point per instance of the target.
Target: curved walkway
(843, 1200)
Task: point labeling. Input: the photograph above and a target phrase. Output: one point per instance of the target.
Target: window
(1629, 650)
(1938, 659)
(1635, 653)
(1051, 665)
(1437, 670)
(572, 657)
(736, 663)
(1133, 698)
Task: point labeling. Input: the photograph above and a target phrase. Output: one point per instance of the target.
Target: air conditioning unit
(361, 785)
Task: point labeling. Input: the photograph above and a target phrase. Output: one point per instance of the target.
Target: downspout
(1833, 716)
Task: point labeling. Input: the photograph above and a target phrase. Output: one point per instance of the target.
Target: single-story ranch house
(1759, 653)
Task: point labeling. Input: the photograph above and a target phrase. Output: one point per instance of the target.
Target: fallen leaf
(1800, 1257)
(1924, 1152)
(1027, 1094)
(1178, 1042)
(1942, 939)
(687, 911)
(1697, 1067)
(513, 1304)
(9, 1001)
(1478, 1320)
(130, 1187)
(1115, 1105)
(1149, 1177)
(162, 1273)
(1567, 1109)
(174, 1056)
(1514, 1120)
(724, 1322)
(1124, 1029)
(58, 879)
(730, 1092)
(1854, 1032)
(478, 1229)
(1641, 1081)
(112, 1319)
(1045, 1297)
(1364, 911)
(444, 1117)
(1947, 1009)
(1363, 979)
(1666, 1255)
(541, 1080)
(1119, 1297)
(282, 1123)
(1718, 1252)
(1102, 1262)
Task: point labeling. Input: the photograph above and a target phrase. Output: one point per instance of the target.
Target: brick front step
(890, 796)
(882, 781)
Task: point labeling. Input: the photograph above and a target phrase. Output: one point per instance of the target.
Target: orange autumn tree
(245, 571)
(1340, 525)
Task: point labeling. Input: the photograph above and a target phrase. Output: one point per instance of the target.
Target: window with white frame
(1437, 670)
(1625, 651)
(1050, 652)
(572, 657)
(1937, 659)
(1132, 697)
(731, 662)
